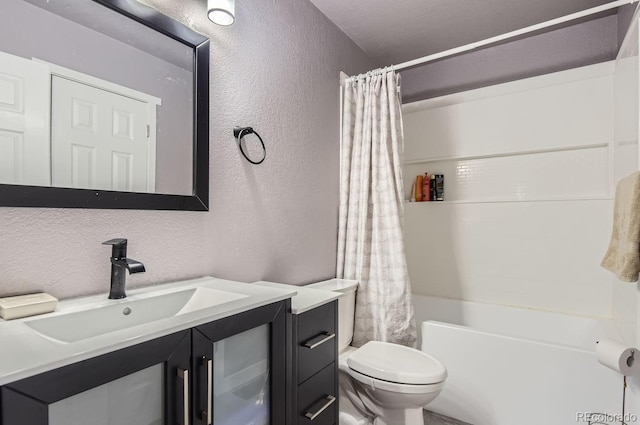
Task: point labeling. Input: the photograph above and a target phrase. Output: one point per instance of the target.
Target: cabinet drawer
(317, 339)
(317, 398)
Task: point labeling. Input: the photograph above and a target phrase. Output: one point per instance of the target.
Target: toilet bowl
(392, 382)
(381, 383)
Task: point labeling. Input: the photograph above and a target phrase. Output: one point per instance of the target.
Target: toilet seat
(393, 363)
(394, 387)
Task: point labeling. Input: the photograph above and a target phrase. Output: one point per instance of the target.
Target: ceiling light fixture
(221, 12)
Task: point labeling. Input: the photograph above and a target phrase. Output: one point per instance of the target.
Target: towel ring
(239, 133)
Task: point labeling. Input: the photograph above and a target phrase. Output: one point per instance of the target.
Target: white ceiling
(393, 31)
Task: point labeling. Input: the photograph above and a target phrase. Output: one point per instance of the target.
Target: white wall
(626, 145)
(626, 297)
(529, 176)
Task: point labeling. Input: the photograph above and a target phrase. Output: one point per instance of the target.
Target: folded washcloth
(623, 256)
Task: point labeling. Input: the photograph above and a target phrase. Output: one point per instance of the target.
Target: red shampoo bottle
(426, 188)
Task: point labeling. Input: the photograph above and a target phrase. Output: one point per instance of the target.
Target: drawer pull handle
(319, 340)
(320, 406)
(184, 375)
(207, 415)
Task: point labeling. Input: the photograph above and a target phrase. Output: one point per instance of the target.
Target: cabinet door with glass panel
(239, 369)
(147, 384)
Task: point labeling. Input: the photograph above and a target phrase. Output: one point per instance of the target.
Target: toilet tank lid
(345, 286)
(397, 363)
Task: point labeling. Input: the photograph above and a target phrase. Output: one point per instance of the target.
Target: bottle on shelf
(439, 192)
(426, 188)
(418, 188)
(432, 195)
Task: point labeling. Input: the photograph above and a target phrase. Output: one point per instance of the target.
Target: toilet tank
(346, 307)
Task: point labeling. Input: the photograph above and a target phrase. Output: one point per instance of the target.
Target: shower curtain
(370, 234)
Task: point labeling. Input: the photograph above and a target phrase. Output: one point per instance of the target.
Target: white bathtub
(514, 366)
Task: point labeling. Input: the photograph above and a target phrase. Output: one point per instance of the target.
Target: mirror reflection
(91, 99)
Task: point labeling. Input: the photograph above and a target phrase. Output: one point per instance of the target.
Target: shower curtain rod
(513, 34)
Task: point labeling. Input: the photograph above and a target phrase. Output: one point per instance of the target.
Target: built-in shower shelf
(504, 201)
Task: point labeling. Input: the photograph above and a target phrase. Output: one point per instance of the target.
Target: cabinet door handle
(184, 375)
(319, 407)
(207, 416)
(319, 340)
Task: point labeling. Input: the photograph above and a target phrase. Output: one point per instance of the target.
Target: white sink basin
(77, 326)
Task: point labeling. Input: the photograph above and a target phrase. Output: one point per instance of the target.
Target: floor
(431, 418)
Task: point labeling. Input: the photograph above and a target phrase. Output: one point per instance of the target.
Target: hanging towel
(623, 256)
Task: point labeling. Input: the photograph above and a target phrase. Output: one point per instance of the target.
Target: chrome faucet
(120, 263)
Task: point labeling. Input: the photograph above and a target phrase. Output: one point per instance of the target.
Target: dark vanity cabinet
(314, 369)
(230, 371)
(144, 384)
(240, 369)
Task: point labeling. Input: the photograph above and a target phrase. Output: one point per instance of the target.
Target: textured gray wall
(570, 47)
(65, 43)
(276, 69)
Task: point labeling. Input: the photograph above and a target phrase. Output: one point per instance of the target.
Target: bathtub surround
(523, 160)
(558, 267)
(626, 87)
(623, 257)
(370, 239)
(262, 223)
(626, 125)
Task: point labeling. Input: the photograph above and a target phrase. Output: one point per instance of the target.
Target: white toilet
(380, 382)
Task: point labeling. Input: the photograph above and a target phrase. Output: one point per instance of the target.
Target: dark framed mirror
(103, 104)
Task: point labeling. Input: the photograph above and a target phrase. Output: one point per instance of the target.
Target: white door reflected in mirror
(62, 128)
(24, 122)
(100, 139)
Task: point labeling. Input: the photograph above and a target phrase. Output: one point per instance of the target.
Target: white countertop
(24, 352)
(307, 298)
